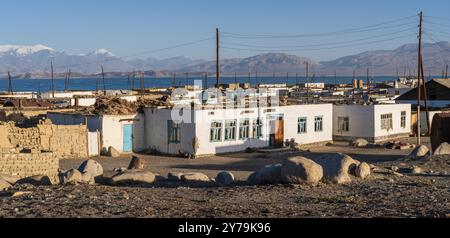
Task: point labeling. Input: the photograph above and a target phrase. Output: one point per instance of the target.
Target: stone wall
(15, 162)
(63, 141)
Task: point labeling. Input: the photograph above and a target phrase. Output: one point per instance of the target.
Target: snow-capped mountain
(19, 50)
(102, 51)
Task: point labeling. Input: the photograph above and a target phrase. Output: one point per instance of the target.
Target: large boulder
(91, 168)
(337, 167)
(174, 177)
(225, 178)
(4, 185)
(419, 152)
(10, 178)
(299, 170)
(134, 177)
(137, 163)
(37, 180)
(75, 177)
(113, 153)
(195, 177)
(359, 143)
(443, 149)
(363, 171)
(270, 174)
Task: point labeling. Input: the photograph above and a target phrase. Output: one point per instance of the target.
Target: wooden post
(307, 82)
(217, 57)
(53, 82)
(419, 101)
(10, 89)
(104, 84)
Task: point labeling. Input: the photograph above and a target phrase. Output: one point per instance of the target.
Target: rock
(4, 185)
(19, 194)
(174, 177)
(270, 174)
(359, 143)
(195, 177)
(225, 178)
(395, 168)
(137, 163)
(299, 170)
(72, 176)
(443, 149)
(10, 178)
(37, 180)
(113, 153)
(419, 152)
(363, 171)
(92, 168)
(416, 170)
(134, 177)
(120, 170)
(337, 167)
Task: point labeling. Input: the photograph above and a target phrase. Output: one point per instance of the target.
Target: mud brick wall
(23, 165)
(63, 141)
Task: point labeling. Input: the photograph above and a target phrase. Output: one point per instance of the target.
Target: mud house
(215, 131)
(122, 132)
(438, 92)
(375, 123)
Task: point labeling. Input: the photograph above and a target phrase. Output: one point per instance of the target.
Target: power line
(352, 30)
(324, 44)
(318, 49)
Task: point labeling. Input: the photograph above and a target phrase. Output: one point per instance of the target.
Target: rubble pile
(159, 102)
(398, 145)
(113, 106)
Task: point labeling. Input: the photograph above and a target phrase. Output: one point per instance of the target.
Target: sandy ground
(383, 195)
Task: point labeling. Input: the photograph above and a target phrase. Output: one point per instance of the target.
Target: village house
(122, 132)
(375, 123)
(217, 130)
(438, 92)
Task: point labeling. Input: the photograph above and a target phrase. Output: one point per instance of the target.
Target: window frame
(244, 128)
(403, 119)
(343, 124)
(227, 127)
(318, 121)
(257, 128)
(173, 129)
(214, 129)
(301, 123)
(386, 122)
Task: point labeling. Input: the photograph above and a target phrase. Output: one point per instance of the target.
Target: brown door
(277, 133)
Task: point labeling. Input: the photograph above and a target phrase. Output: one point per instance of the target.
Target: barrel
(440, 130)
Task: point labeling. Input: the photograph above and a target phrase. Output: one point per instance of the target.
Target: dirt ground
(383, 195)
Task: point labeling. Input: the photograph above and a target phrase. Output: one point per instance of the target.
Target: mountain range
(34, 62)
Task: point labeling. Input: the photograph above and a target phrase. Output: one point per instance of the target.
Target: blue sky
(135, 26)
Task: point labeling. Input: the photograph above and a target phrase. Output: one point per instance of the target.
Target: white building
(230, 130)
(374, 123)
(125, 133)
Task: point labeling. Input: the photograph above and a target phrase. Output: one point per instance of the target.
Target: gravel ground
(383, 195)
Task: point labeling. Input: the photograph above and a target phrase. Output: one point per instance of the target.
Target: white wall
(156, 128)
(396, 110)
(83, 102)
(112, 131)
(365, 121)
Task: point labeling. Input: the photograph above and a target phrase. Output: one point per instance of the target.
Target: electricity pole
(419, 56)
(104, 84)
(53, 83)
(217, 57)
(10, 89)
(307, 83)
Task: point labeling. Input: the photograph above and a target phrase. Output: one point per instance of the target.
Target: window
(343, 124)
(244, 129)
(318, 123)
(174, 132)
(230, 130)
(257, 128)
(302, 125)
(403, 120)
(386, 122)
(216, 131)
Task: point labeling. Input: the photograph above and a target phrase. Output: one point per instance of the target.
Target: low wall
(13, 162)
(63, 141)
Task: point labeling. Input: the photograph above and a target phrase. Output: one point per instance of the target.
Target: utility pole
(104, 84)
(206, 80)
(217, 57)
(142, 83)
(307, 83)
(296, 80)
(132, 80)
(174, 81)
(187, 79)
(53, 82)
(353, 86)
(65, 81)
(446, 71)
(287, 79)
(129, 80)
(68, 78)
(335, 79)
(368, 82)
(419, 56)
(249, 77)
(235, 77)
(10, 89)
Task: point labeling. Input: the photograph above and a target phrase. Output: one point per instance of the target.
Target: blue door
(128, 138)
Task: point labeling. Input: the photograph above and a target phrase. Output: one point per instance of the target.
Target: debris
(19, 194)
(416, 170)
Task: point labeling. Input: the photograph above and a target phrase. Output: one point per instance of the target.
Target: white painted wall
(157, 129)
(365, 121)
(83, 102)
(112, 131)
